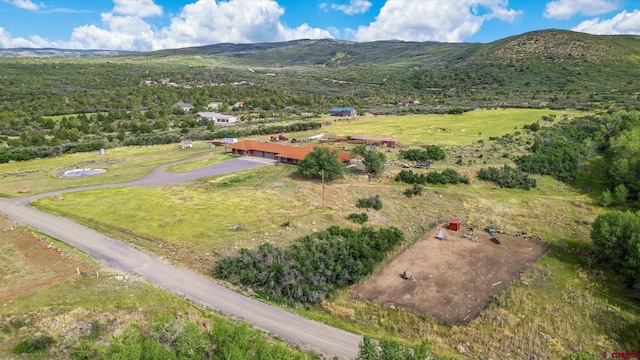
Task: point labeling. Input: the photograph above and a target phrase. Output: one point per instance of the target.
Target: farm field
(445, 130)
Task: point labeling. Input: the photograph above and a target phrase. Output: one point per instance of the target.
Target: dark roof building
(343, 111)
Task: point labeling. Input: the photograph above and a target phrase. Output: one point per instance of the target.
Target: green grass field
(463, 129)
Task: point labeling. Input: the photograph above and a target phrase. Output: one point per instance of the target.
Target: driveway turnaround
(306, 333)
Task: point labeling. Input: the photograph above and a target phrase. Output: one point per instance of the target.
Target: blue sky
(144, 25)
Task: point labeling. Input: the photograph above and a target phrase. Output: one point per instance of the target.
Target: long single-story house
(282, 153)
(216, 117)
(374, 140)
(343, 111)
(184, 106)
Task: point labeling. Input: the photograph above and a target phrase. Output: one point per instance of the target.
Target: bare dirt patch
(454, 279)
(29, 263)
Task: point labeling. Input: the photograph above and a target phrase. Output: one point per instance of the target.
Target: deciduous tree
(321, 160)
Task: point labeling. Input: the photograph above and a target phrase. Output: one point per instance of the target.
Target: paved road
(306, 333)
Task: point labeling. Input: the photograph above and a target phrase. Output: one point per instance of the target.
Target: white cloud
(121, 32)
(623, 23)
(209, 21)
(432, 20)
(565, 9)
(354, 7)
(200, 23)
(25, 4)
(139, 8)
(6, 41)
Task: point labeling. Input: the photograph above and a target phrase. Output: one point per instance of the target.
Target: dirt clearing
(453, 279)
(28, 263)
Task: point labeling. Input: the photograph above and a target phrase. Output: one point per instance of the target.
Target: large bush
(313, 267)
(616, 240)
(507, 177)
(432, 152)
(371, 202)
(447, 176)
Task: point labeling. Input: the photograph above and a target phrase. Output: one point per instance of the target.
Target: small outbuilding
(454, 224)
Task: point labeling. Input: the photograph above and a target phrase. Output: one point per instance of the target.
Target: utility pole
(323, 189)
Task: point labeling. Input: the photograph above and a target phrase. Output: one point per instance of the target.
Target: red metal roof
(285, 151)
(455, 221)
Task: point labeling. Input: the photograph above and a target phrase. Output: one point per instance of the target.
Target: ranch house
(285, 154)
(217, 118)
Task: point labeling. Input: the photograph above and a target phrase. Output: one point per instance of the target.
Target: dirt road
(306, 333)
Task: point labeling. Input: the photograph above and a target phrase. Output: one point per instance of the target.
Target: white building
(217, 118)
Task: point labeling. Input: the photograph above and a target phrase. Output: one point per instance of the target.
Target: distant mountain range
(50, 52)
(549, 44)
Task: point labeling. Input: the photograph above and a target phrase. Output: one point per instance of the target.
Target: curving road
(306, 333)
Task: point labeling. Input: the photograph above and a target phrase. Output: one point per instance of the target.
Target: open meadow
(445, 130)
(560, 305)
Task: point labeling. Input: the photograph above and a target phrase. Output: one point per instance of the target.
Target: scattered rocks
(235, 227)
(461, 349)
(407, 275)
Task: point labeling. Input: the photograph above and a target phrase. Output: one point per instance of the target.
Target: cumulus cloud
(199, 23)
(210, 21)
(6, 41)
(121, 32)
(353, 7)
(138, 8)
(623, 23)
(429, 20)
(565, 9)
(25, 4)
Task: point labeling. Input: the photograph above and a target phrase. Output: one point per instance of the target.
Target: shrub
(413, 190)
(370, 202)
(358, 218)
(33, 344)
(447, 176)
(313, 267)
(507, 177)
(432, 152)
